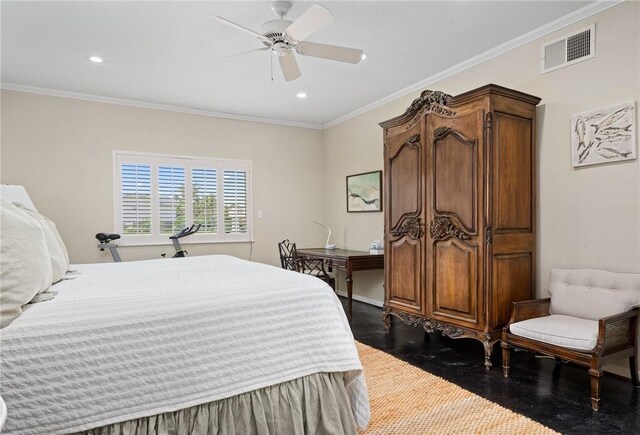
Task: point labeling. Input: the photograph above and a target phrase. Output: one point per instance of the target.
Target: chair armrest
(524, 310)
(617, 331)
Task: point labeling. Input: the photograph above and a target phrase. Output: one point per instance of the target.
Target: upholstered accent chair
(290, 260)
(590, 319)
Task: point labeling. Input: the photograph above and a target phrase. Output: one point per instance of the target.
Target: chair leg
(595, 375)
(506, 358)
(633, 368)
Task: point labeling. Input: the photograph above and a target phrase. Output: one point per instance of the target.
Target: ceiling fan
(282, 37)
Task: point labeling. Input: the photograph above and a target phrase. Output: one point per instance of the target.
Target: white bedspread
(128, 340)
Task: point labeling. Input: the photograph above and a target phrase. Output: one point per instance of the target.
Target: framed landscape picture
(364, 192)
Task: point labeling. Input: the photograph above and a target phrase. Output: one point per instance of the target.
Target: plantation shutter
(204, 184)
(158, 195)
(135, 199)
(171, 199)
(235, 201)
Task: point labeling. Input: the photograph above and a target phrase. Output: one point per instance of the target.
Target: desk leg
(349, 290)
(349, 296)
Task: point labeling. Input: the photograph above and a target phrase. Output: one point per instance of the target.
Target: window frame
(188, 162)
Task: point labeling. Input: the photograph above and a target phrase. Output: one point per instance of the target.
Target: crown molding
(147, 105)
(575, 16)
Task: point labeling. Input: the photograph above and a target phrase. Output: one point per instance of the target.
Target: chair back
(592, 294)
(288, 255)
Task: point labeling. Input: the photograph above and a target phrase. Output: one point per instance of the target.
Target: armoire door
(455, 242)
(404, 221)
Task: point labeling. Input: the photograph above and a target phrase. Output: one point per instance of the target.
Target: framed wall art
(604, 135)
(364, 192)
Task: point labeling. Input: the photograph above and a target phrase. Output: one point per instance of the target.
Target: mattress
(129, 340)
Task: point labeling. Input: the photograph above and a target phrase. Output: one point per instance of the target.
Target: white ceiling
(161, 52)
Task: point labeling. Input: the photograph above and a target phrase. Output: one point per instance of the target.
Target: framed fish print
(364, 192)
(604, 135)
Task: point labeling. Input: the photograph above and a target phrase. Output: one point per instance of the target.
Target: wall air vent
(569, 49)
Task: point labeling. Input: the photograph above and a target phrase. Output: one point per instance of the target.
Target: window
(158, 195)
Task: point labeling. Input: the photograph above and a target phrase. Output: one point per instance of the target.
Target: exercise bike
(106, 242)
(176, 240)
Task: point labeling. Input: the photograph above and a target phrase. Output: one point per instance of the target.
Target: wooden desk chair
(290, 260)
(590, 320)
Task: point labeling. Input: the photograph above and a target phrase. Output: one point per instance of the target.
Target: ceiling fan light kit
(282, 37)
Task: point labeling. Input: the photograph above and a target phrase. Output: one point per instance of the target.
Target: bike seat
(106, 237)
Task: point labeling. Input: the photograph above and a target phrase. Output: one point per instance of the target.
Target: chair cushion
(592, 294)
(560, 330)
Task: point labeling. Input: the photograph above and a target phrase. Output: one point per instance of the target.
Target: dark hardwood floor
(556, 395)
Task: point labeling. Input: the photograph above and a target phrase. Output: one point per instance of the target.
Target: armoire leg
(386, 318)
(488, 350)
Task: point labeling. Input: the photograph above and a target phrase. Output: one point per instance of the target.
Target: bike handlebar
(187, 231)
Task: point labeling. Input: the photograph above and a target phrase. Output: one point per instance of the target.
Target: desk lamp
(326, 245)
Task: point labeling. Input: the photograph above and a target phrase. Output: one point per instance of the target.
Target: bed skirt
(314, 404)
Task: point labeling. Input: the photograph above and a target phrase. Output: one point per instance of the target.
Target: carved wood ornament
(488, 239)
(440, 133)
(428, 101)
(412, 227)
(488, 120)
(447, 330)
(442, 227)
(428, 325)
(428, 98)
(413, 140)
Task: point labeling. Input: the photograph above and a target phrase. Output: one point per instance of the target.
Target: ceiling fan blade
(315, 18)
(241, 53)
(239, 27)
(332, 52)
(289, 67)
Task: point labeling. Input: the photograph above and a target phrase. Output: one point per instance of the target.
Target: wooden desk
(349, 261)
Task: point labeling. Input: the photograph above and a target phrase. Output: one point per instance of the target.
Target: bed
(210, 344)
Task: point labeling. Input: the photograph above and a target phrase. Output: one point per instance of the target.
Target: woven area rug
(407, 400)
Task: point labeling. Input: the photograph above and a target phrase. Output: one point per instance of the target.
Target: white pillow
(25, 267)
(57, 250)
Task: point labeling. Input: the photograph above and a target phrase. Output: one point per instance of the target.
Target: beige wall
(588, 217)
(61, 150)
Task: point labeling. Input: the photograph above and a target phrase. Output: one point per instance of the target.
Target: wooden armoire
(459, 193)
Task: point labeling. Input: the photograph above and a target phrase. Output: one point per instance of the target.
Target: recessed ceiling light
(96, 59)
(301, 95)
(364, 56)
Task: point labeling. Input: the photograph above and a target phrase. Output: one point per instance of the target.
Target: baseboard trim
(618, 372)
(374, 302)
